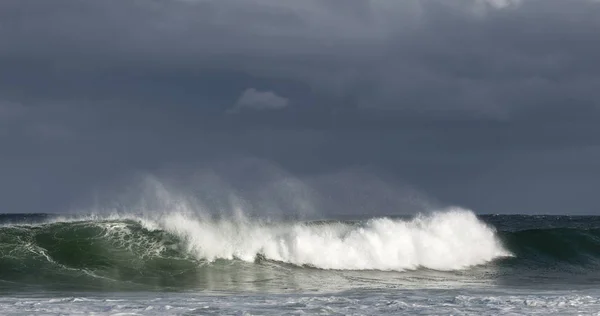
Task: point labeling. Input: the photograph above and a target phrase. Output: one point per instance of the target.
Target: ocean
(450, 262)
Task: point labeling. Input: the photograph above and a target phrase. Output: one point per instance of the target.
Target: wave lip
(449, 240)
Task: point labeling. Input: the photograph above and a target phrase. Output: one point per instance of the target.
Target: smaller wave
(551, 246)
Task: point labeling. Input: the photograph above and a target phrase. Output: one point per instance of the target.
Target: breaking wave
(443, 241)
(130, 248)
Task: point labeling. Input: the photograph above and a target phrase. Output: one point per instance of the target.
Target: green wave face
(555, 246)
(113, 252)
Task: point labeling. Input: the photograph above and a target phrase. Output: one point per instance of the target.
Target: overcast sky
(370, 105)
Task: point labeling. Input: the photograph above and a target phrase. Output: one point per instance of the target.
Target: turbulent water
(449, 262)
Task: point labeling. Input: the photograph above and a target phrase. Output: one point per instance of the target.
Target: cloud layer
(464, 57)
(453, 96)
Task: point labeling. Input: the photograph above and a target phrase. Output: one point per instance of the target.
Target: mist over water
(259, 189)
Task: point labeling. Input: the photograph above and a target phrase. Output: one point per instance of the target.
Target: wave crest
(450, 240)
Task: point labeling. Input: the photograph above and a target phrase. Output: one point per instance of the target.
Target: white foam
(449, 240)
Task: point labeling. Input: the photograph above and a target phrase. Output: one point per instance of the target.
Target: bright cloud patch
(253, 99)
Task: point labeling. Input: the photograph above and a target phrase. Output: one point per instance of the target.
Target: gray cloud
(453, 96)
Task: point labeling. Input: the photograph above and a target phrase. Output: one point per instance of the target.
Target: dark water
(41, 252)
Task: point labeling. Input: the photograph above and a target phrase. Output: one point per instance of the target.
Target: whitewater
(449, 240)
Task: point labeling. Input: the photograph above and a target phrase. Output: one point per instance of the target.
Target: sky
(343, 106)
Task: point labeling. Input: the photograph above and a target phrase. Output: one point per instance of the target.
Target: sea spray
(449, 240)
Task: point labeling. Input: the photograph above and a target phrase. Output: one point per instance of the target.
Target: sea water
(450, 262)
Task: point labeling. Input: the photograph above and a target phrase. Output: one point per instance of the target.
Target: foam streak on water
(350, 303)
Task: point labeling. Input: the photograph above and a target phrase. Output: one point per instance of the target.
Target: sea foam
(447, 240)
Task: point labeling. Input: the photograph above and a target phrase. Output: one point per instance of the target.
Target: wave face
(556, 245)
(181, 250)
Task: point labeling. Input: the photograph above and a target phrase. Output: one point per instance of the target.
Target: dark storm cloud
(453, 96)
(482, 58)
